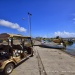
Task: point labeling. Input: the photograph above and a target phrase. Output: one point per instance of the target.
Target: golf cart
(13, 50)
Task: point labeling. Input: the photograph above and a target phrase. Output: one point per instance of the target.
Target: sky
(49, 18)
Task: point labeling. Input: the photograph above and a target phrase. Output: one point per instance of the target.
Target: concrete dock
(56, 62)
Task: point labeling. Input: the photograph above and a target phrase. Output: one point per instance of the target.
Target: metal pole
(29, 18)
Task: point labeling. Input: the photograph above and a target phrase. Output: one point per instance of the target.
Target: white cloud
(64, 34)
(12, 25)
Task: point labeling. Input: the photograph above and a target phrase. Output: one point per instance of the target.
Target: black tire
(9, 68)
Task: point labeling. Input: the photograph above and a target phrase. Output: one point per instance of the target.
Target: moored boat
(52, 45)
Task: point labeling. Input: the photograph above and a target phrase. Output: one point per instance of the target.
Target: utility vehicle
(13, 50)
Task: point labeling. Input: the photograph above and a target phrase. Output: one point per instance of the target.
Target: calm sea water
(71, 49)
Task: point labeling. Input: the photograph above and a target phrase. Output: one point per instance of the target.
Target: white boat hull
(52, 45)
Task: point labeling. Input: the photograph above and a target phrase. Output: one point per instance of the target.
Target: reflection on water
(71, 49)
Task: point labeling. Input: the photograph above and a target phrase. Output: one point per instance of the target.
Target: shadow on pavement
(1, 73)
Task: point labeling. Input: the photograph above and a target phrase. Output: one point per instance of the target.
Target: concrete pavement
(56, 62)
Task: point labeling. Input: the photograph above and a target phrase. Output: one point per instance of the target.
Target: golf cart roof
(7, 35)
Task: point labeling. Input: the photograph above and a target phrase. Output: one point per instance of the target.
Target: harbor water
(71, 49)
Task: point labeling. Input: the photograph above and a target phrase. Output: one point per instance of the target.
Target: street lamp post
(29, 21)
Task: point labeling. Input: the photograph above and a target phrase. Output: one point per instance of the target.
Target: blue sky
(49, 17)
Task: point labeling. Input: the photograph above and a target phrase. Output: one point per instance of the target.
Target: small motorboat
(52, 45)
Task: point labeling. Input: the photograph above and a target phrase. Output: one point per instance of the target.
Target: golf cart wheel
(9, 68)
